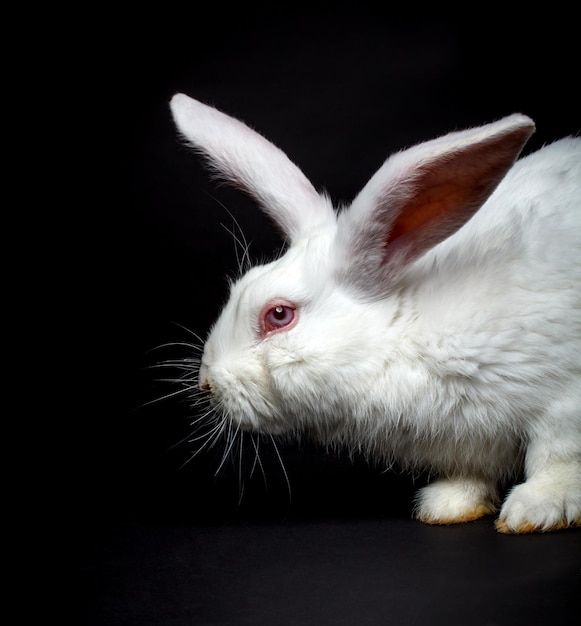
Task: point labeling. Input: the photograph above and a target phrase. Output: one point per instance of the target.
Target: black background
(338, 89)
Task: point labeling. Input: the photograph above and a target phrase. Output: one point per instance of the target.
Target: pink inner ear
(447, 192)
(430, 206)
(422, 196)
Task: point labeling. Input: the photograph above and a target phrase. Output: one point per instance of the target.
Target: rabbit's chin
(259, 426)
(250, 421)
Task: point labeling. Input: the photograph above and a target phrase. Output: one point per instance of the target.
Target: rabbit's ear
(423, 195)
(247, 160)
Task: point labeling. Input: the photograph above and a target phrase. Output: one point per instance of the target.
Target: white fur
(454, 347)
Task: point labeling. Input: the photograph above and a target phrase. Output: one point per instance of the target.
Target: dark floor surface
(335, 571)
(344, 550)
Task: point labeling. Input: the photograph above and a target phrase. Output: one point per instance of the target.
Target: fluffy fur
(439, 316)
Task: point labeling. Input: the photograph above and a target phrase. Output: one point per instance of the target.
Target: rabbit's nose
(203, 381)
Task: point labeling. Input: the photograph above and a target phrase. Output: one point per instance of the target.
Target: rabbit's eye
(278, 316)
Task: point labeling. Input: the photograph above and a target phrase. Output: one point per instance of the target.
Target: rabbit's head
(303, 339)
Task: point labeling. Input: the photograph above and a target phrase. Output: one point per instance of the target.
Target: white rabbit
(435, 322)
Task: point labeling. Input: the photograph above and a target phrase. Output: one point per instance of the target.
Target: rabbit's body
(450, 345)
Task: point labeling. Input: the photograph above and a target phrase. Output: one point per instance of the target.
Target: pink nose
(203, 381)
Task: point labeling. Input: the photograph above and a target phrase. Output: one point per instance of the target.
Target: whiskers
(241, 243)
(180, 372)
(242, 452)
(214, 434)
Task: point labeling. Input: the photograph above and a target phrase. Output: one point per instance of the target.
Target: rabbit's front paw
(455, 500)
(543, 503)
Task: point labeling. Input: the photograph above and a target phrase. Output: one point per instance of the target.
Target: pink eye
(278, 316)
